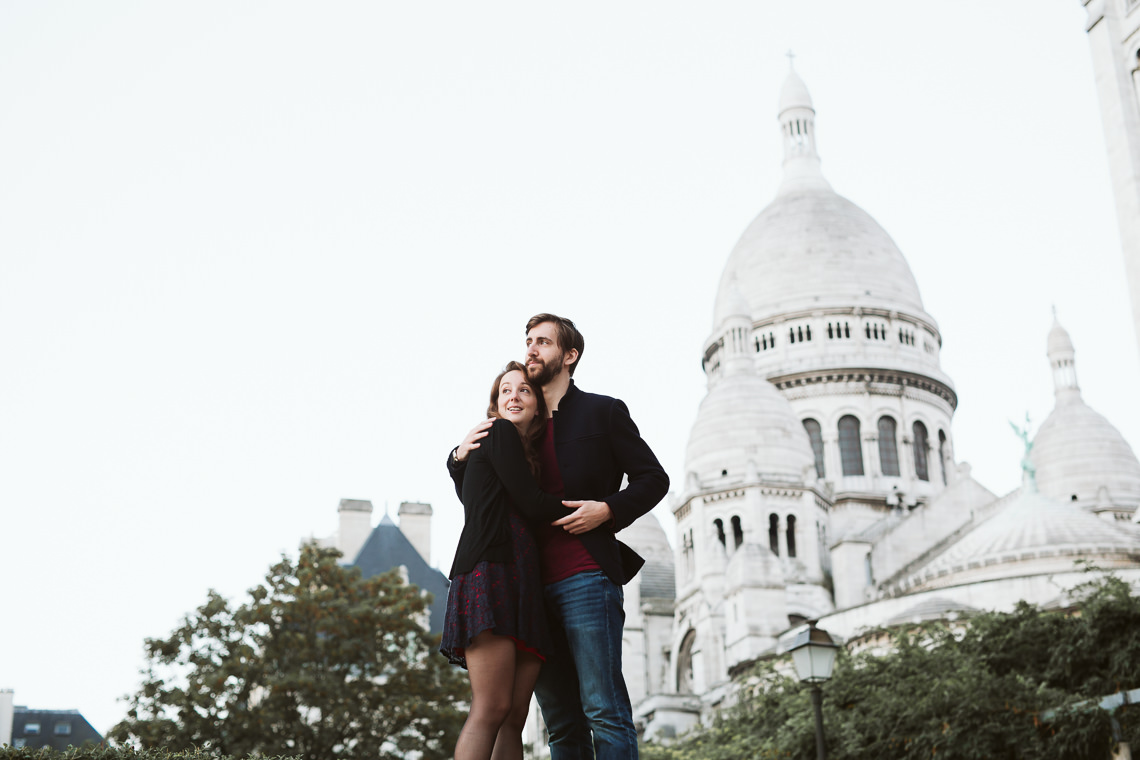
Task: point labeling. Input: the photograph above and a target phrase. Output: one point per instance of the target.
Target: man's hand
(469, 443)
(586, 516)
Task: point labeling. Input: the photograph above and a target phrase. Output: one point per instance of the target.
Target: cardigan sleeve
(505, 452)
(456, 471)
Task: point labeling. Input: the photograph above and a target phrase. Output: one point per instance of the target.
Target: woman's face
(517, 401)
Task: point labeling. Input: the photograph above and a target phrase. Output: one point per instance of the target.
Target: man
(591, 442)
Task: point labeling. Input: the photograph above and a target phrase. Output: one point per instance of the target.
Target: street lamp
(813, 653)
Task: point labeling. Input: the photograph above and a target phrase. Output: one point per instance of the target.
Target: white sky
(259, 257)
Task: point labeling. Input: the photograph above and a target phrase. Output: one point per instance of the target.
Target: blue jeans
(581, 689)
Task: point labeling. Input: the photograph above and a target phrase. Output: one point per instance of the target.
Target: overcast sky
(258, 257)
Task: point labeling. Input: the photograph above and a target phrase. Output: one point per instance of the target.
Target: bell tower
(1113, 27)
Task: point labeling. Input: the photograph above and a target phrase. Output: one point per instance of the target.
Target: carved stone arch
(685, 663)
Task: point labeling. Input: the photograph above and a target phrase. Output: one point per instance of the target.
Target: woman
(495, 625)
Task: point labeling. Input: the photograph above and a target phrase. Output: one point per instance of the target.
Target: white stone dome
(1077, 452)
(812, 248)
(732, 304)
(646, 537)
(746, 430)
(794, 93)
(1059, 340)
(1033, 534)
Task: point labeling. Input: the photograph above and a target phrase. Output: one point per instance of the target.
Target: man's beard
(541, 374)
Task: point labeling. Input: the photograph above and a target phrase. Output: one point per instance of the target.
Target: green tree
(975, 692)
(318, 663)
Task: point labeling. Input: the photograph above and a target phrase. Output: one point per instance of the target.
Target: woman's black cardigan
(498, 478)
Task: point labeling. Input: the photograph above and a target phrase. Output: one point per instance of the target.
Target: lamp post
(813, 653)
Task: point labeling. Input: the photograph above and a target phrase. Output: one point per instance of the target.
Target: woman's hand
(469, 443)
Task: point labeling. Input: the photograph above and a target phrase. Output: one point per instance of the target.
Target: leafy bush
(972, 693)
(108, 753)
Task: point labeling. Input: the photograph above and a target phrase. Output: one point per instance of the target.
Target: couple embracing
(535, 603)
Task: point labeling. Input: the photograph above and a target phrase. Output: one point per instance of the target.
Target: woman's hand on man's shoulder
(471, 442)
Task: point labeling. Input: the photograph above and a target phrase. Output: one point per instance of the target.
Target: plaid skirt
(502, 597)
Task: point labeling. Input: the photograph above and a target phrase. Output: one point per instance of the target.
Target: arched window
(719, 530)
(850, 447)
(943, 454)
(888, 447)
(791, 535)
(685, 664)
(774, 534)
(920, 468)
(815, 435)
(737, 533)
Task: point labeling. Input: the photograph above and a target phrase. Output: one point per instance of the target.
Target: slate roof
(387, 548)
(58, 729)
(658, 580)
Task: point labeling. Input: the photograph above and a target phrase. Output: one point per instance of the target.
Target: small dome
(794, 93)
(1034, 530)
(646, 537)
(933, 608)
(745, 427)
(1059, 340)
(813, 249)
(1077, 452)
(734, 304)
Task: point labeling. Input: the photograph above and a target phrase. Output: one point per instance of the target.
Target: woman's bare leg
(491, 668)
(508, 744)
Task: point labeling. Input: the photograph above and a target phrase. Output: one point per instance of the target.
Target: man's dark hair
(568, 335)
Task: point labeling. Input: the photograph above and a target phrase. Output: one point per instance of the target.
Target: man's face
(544, 358)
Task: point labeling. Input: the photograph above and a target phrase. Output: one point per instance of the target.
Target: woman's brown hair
(533, 438)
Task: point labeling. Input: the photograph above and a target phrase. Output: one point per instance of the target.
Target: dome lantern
(1062, 358)
(797, 125)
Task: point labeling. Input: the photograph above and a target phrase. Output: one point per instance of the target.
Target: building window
(920, 468)
(737, 533)
(774, 534)
(31, 729)
(943, 454)
(719, 530)
(799, 334)
(888, 447)
(815, 435)
(63, 728)
(872, 330)
(791, 535)
(850, 448)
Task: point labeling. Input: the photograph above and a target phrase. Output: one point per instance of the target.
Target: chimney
(6, 716)
(415, 524)
(355, 526)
